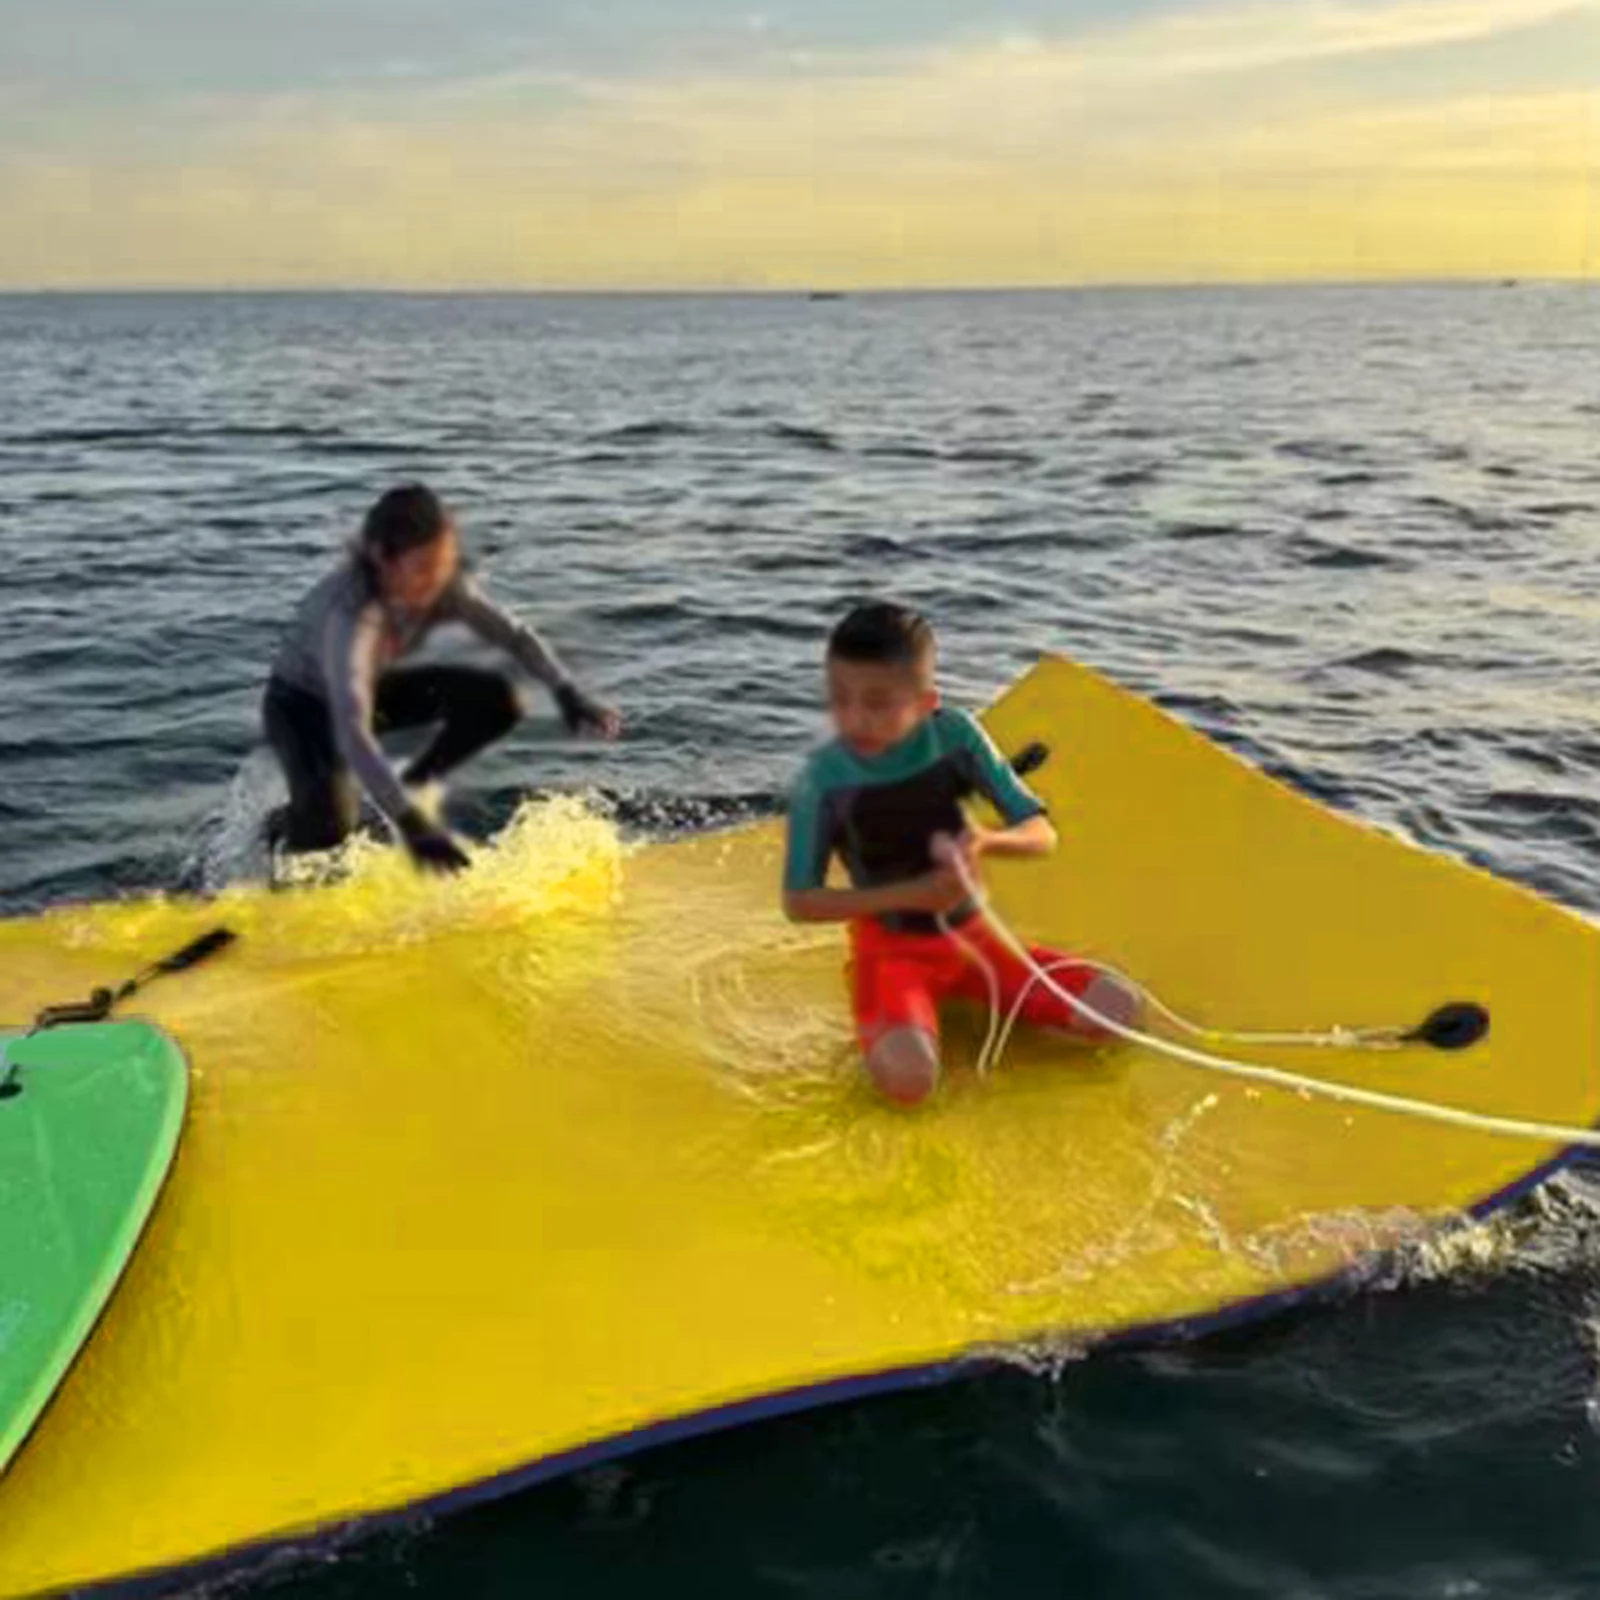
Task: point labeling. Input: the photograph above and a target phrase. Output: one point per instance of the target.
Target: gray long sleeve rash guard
(343, 638)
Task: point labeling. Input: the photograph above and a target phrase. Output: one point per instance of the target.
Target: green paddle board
(89, 1122)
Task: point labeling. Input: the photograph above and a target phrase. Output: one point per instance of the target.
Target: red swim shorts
(899, 980)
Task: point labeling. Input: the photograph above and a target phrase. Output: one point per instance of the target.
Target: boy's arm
(498, 627)
(1027, 830)
(936, 891)
(350, 669)
(1034, 837)
(349, 665)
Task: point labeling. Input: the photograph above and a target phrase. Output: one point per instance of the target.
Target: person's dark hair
(404, 519)
(884, 634)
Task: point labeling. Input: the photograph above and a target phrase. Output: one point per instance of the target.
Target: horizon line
(796, 291)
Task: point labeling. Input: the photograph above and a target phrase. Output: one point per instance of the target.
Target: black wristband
(575, 706)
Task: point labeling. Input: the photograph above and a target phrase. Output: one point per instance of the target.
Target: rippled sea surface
(1353, 533)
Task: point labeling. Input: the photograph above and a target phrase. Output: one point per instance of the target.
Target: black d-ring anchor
(1456, 1026)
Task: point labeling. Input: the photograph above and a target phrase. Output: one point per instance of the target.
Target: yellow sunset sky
(700, 144)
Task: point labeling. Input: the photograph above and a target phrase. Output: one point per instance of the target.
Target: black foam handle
(201, 949)
(1030, 758)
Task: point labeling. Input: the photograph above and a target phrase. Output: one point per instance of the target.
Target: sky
(752, 144)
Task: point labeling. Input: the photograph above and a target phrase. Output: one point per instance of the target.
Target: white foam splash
(231, 847)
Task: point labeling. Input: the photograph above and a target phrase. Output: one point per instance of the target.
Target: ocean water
(1351, 532)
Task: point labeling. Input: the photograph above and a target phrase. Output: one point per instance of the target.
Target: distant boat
(825, 294)
(1508, 283)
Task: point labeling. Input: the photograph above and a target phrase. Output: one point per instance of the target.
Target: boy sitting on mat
(885, 796)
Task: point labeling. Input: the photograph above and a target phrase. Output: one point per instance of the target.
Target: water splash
(1045, 1356)
(232, 846)
(554, 858)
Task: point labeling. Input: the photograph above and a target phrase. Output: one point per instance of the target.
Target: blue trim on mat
(238, 1561)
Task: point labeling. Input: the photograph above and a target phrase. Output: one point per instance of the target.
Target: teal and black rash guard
(880, 814)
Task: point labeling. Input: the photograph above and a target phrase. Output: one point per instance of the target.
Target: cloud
(1267, 34)
(1230, 142)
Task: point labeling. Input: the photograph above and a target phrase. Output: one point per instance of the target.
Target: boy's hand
(965, 848)
(430, 847)
(438, 853)
(939, 891)
(586, 715)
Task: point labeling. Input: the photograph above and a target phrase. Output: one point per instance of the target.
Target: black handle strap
(103, 1002)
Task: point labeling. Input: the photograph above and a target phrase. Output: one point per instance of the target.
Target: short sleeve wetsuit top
(880, 814)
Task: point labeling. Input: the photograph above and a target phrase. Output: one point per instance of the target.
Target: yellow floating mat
(486, 1179)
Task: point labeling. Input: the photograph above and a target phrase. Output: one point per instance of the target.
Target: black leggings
(475, 706)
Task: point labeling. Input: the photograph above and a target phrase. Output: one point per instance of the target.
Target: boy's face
(415, 579)
(875, 706)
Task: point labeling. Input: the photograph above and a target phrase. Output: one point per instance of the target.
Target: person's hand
(964, 849)
(439, 853)
(939, 892)
(584, 715)
(431, 847)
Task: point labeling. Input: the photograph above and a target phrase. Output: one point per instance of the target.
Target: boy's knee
(904, 1065)
(1111, 998)
(502, 702)
(323, 820)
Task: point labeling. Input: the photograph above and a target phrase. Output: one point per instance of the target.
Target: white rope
(1275, 1077)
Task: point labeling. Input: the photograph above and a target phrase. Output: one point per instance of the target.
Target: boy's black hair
(885, 634)
(404, 519)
